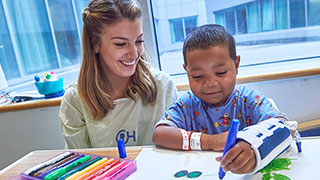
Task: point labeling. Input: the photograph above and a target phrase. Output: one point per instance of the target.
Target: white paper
(161, 164)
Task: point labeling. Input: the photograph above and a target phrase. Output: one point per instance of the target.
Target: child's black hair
(209, 35)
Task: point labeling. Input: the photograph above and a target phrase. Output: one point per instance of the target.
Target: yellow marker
(94, 170)
(92, 166)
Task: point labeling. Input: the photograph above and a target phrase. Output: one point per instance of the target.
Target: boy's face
(212, 74)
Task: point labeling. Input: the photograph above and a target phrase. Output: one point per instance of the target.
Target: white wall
(24, 131)
(298, 98)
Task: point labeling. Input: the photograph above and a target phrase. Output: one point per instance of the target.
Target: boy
(200, 120)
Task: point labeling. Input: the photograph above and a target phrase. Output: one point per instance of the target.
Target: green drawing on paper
(276, 165)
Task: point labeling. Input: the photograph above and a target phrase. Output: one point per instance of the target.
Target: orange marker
(92, 166)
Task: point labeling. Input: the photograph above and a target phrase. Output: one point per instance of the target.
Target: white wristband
(195, 143)
(185, 139)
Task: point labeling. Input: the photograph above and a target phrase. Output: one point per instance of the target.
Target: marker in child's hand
(231, 140)
(121, 149)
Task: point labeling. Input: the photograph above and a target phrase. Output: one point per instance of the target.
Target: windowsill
(34, 104)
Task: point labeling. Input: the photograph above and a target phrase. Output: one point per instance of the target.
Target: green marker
(62, 171)
(66, 175)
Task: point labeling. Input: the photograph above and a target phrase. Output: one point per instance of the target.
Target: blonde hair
(90, 83)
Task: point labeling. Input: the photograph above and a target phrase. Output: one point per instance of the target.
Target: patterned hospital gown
(245, 104)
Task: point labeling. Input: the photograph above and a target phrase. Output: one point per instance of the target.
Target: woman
(118, 95)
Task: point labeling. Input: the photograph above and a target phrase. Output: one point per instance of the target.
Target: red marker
(120, 170)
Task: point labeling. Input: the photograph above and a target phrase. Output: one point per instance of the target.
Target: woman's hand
(240, 159)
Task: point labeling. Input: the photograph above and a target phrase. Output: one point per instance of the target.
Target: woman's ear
(237, 63)
(96, 49)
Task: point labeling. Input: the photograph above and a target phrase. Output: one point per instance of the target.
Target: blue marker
(231, 140)
(37, 78)
(297, 137)
(121, 149)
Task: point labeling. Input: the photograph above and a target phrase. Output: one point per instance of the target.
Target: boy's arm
(167, 136)
(268, 139)
(258, 145)
(171, 137)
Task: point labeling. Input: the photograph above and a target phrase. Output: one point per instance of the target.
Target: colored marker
(47, 77)
(121, 149)
(231, 140)
(59, 172)
(55, 165)
(37, 78)
(48, 163)
(92, 166)
(111, 171)
(60, 166)
(101, 171)
(38, 173)
(94, 170)
(53, 76)
(297, 137)
(130, 164)
(79, 168)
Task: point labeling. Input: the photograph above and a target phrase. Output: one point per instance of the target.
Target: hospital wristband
(185, 140)
(195, 143)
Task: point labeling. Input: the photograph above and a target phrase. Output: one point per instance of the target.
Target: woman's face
(120, 48)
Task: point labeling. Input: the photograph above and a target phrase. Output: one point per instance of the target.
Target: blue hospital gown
(245, 104)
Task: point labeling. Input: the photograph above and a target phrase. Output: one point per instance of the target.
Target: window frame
(181, 79)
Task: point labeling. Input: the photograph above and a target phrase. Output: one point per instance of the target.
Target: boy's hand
(240, 159)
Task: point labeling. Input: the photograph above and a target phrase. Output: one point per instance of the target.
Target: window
(230, 21)
(32, 36)
(281, 14)
(297, 13)
(253, 17)
(313, 12)
(65, 31)
(79, 6)
(9, 67)
(176, 29)
(181, 27)
(266, 15)
(39, 36)
(241, 19)
(190, 23)
(265, 31)
(220, 18)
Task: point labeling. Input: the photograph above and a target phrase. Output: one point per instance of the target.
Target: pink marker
(120, 170)
(112, 170)
(53, 76)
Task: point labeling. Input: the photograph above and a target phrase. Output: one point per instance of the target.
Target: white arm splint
(268, 139)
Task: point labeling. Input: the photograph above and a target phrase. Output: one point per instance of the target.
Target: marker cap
(121, 149)
(37, 78)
